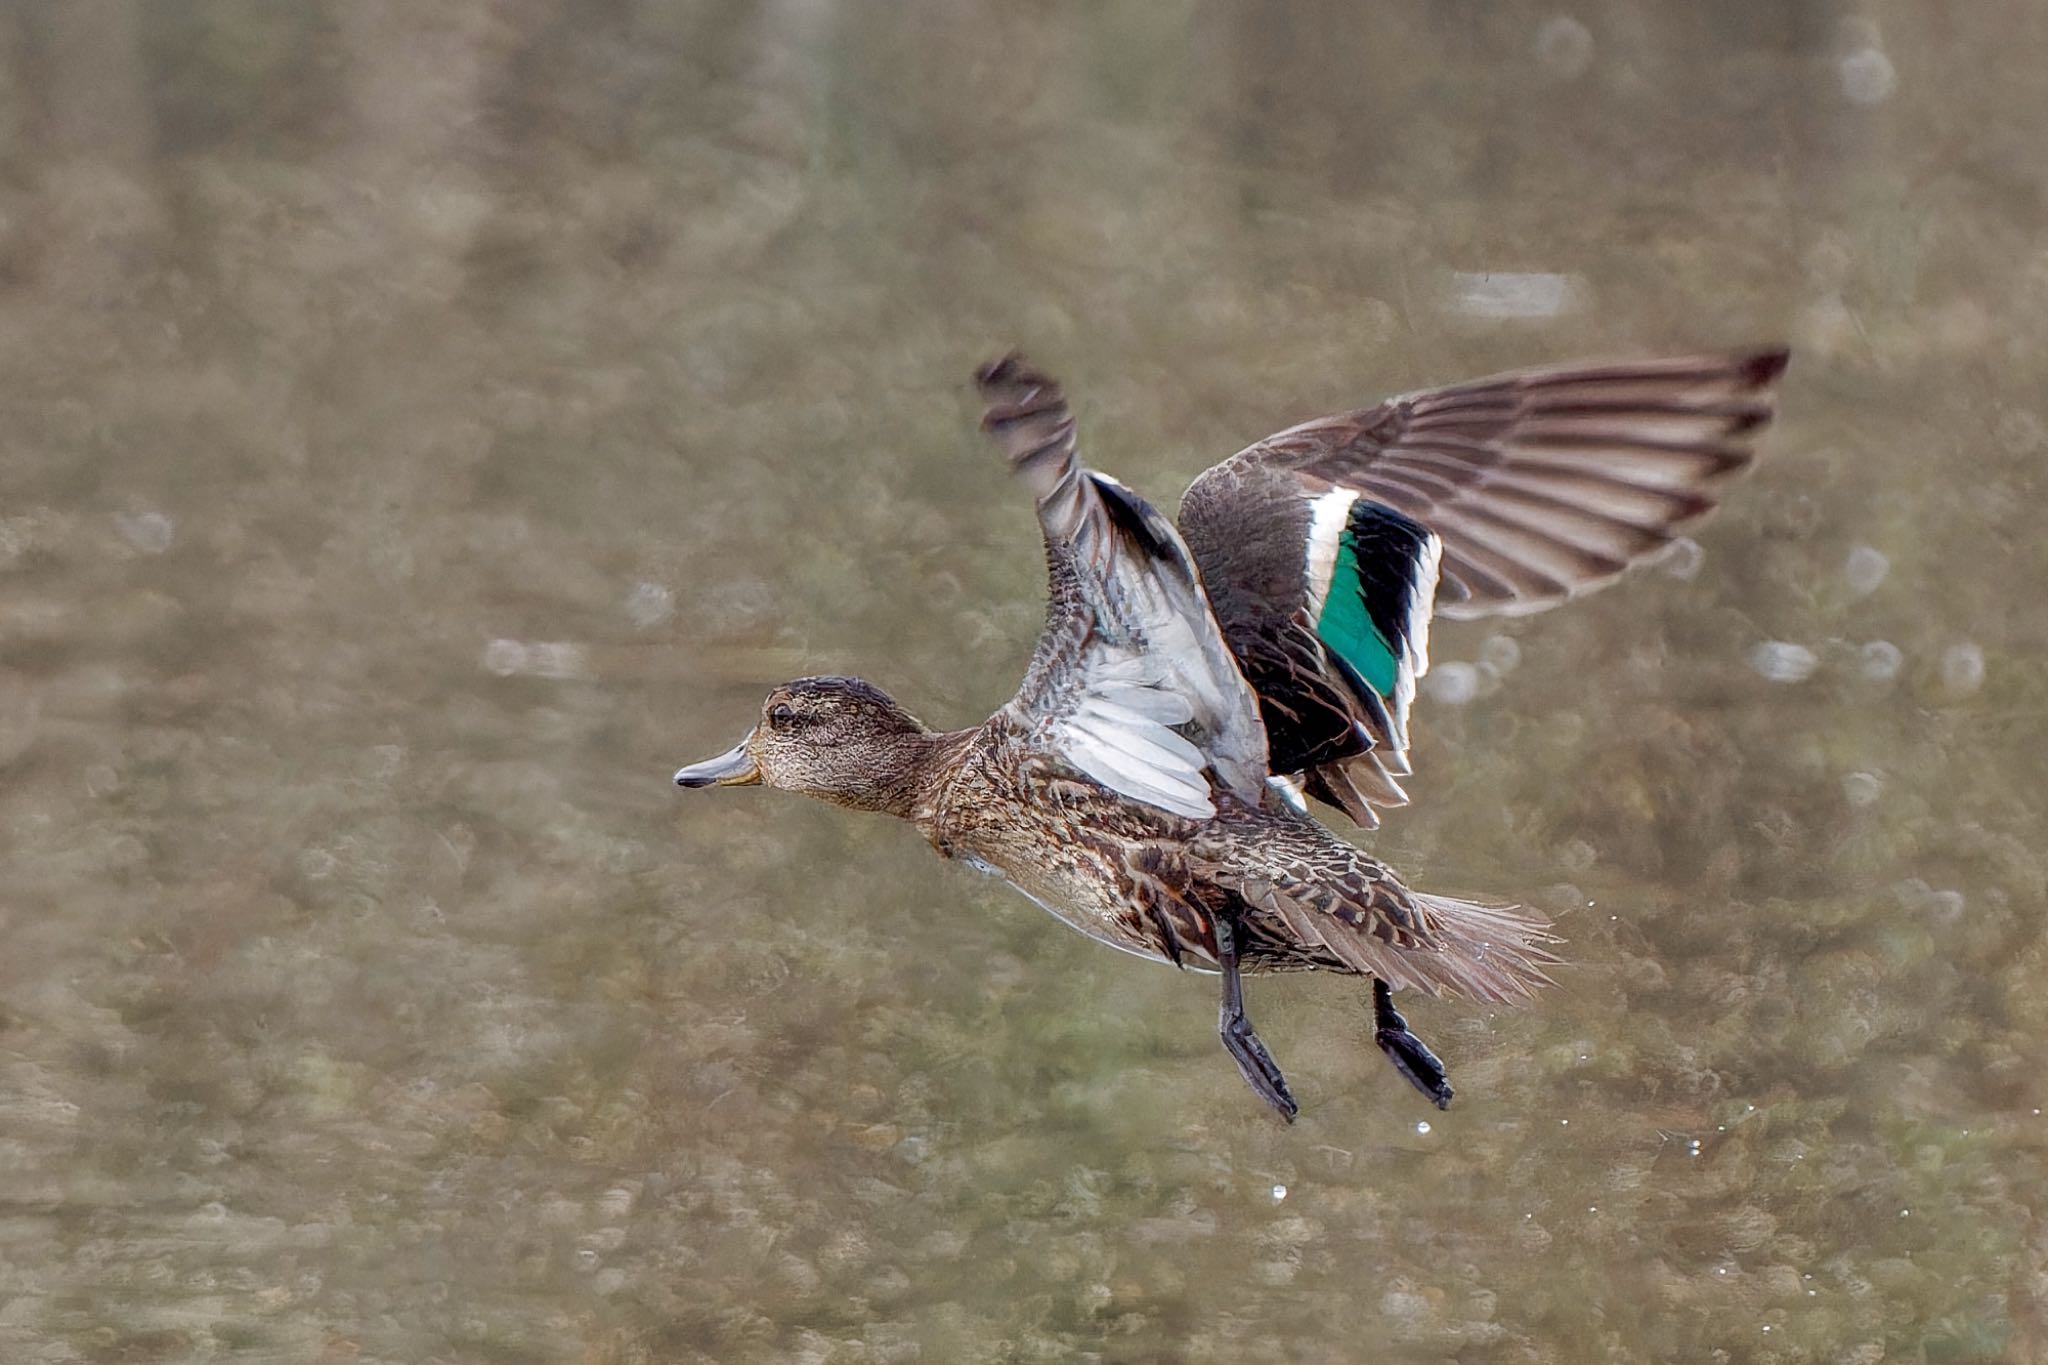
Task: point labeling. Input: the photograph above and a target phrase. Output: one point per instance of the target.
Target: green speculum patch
(1348, 628)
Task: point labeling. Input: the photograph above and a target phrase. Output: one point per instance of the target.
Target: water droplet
(1881, 661)
(1905, 1213)
(149, 532)
(1564, 46)
(1422, 1126)
(1862, 789)
(1279, 1193)
(649, 604)
(1452, 683)
(1867, 76)
(1782, 661)
(1683, 559)
(1945, 906)
(504, 657)
(1865, 569)
(1500, 652)
(1962, 669)
(1512, 293)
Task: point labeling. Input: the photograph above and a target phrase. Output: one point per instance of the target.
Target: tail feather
(1490, 952)
(1374, 926)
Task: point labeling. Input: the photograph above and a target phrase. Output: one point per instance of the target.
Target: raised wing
(1132, 682)
(1325, 547)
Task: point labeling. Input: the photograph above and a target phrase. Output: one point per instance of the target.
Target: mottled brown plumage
(1151, 883)
(1128, 786)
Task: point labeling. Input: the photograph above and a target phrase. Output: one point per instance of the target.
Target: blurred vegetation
(425, 426)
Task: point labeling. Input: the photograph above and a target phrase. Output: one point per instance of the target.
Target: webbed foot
(1409, 1054)
(1254, 1063)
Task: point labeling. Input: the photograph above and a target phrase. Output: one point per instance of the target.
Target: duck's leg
(1254, 1063)
(1409, 1054)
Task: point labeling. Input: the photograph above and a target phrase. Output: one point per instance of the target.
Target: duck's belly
(1079, 899)
(1011, 815)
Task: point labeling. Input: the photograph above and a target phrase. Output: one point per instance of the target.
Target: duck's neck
(909, 772)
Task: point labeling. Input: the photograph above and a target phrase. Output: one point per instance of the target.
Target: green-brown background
(422, 426)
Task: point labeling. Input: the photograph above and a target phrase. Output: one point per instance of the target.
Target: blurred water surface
(425, 426)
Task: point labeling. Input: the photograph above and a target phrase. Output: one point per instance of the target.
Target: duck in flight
(1147, 782)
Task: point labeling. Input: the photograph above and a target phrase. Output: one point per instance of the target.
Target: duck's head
(841, 739)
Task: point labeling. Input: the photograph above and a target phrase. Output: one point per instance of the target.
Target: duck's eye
(781, 714)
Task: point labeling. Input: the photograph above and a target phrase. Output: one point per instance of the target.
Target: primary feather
(1131, 653)
(1326, 548)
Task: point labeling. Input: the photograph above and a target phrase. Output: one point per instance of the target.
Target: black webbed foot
(1409, 1054)
(1254, 1063)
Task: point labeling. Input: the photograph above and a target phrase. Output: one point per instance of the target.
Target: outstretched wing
(1132, 682)
(1326, 547)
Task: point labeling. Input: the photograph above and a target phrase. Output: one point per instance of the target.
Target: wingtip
(1013, 388)
(1763, 365)
(1001, 370)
